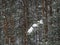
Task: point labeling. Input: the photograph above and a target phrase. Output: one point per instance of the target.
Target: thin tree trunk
(45, 17)
(12, 28)
(25, 26)
(5, 22)
(6, 30)
(37, 18)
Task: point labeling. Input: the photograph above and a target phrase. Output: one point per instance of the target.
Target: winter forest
(29, 22)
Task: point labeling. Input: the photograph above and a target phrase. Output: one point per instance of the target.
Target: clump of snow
(41, 21)
(40, 6)
(3, 16)
(30, 30)
(35, 25)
